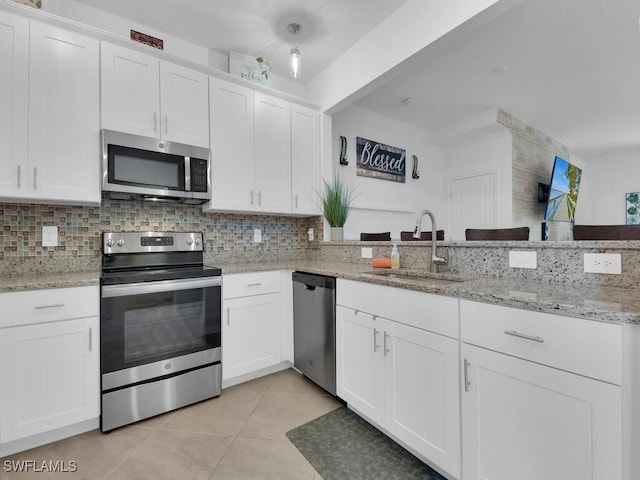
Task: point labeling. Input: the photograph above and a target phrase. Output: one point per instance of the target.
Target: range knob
(197, 241)
(110, 243)
(120, 242)
(189, 241)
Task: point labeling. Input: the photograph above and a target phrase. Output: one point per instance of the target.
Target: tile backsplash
(228, 237)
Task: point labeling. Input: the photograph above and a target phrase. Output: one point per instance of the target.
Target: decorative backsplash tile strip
(227, 236)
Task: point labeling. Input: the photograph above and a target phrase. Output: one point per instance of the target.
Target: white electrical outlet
(610, 263)
(366, 252)
(49, 236)
(257, 235)
(522, 259)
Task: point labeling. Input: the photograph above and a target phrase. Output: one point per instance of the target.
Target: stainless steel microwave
(153, 169)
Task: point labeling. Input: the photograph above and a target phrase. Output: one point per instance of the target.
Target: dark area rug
(342, 446)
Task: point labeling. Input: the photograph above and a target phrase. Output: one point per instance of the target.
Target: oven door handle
(126, 289)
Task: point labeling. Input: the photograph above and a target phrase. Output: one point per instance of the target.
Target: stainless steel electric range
(160, 321)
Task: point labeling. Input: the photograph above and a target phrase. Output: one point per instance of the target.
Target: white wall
(172, 45)
(490, 154)
(384, 205)
(605, 181)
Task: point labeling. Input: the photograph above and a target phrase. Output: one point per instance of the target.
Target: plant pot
(337, 234)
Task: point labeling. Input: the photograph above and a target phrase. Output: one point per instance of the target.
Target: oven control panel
(141, 242)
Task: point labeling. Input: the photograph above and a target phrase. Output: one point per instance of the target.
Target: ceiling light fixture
(294, 54)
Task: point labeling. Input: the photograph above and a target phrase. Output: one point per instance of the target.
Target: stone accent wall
(533, 154)
(228, 237)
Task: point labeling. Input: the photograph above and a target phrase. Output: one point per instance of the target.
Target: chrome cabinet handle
(90, 339)
(253, 284)
(525, 336)
(42, 307)
(35, 178)
(375, 339)
(166, 124)
(260, 197)
(19, 176)
(251, 196)
(296, 201)
(228, 316)
(467, 383)
(386, 350)
(155, 121)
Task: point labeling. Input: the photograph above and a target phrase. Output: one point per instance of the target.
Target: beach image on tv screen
(563, 192)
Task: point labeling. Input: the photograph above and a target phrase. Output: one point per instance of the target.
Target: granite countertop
(608, 304)
(37, 281)
(583, 301)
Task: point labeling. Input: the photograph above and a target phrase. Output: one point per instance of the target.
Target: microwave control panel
(199, 175)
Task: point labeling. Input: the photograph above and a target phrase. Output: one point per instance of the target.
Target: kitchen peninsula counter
(610, 304)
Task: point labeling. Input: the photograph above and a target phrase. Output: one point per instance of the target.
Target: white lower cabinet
(528, 421)
(49, 362)
(402, 378)
(524, 415)
(251, 328)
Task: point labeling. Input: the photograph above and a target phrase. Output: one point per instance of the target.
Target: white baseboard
(23, 444)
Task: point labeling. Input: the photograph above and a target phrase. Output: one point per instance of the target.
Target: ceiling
(259, 27)
(570, 68)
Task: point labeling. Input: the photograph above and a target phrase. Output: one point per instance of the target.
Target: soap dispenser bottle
(395, 257)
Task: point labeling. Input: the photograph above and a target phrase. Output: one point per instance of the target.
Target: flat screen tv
(563, 192)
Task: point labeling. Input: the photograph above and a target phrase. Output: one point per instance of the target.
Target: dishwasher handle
(312, 281)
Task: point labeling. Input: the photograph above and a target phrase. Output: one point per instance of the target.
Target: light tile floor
(238, 436)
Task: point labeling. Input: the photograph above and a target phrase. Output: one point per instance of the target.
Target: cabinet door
(50, 376)
(272, 154)
(527, 421)
(184, 105)
(14, 91)
(422, 406)
(360, 362)
(250, 334)
(232, 147)
(304, 160)
(64, 115)
(130, 91)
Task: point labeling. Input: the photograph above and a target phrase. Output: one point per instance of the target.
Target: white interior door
(472, 203)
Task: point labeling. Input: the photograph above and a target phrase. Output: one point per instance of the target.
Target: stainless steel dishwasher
(314, 328)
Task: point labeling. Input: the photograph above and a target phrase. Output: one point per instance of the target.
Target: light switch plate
(523, 259)
(610, 263)
(366, 252)
(49, 236)
(257, 235)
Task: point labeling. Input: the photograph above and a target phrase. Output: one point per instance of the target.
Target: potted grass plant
(336, 206)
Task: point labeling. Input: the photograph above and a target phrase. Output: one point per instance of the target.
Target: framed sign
(256, 69)
(377, 160)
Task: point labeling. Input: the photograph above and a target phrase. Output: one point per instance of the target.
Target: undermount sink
(419, 277)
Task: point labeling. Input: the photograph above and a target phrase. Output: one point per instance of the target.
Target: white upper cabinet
(50, 130)
(272, 153)
(14, 93)
(265, 152)
(305, 160)
(146, 96)
(232, 170)
(63, 116)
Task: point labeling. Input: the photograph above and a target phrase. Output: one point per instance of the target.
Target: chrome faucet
(435, 260)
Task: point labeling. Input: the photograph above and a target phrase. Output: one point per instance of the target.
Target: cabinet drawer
(49, 305)
(586, 347)
(426, 311)
(248, 284)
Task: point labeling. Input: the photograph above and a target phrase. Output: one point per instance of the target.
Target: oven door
(152, 329)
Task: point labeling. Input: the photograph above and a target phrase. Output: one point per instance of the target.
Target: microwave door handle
(127, 289)
(187, 174)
